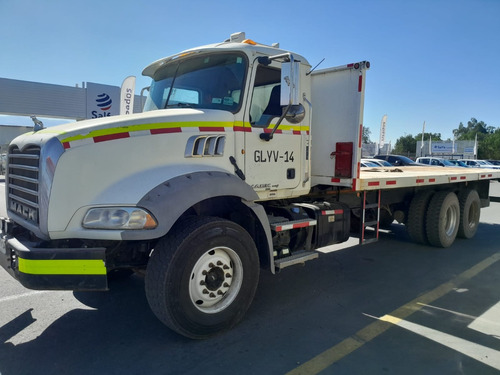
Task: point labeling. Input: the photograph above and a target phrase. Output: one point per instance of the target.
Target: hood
(153, 122)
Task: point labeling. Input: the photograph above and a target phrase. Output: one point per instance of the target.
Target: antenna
(313, 69)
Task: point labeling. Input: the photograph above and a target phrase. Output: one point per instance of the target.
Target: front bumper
(51, 268)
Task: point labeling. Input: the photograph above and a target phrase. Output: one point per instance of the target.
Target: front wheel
(202, 277)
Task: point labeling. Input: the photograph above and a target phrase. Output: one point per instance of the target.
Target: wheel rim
(473, 218)
(215, 280)
(451, 220)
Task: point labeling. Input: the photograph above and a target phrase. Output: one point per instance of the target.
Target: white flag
(382, 131)
(127, 96)
(475, 147)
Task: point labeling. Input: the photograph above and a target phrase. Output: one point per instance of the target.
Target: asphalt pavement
(391, 307)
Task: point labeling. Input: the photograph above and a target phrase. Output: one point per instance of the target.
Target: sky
(431, 60)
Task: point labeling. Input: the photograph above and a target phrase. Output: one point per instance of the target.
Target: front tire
(202, 277)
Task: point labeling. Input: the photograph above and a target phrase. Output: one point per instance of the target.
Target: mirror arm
(268, 136)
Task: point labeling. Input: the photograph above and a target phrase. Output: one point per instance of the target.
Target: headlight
(119, 218)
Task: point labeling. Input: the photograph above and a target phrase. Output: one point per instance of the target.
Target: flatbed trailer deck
(398, 177)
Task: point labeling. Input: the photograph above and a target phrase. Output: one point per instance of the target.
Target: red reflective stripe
(360, 83)
(390, 182)
(335, 179)
(374, 183)
(165, 131)
(110, 137)
(66, 145)
(211, 129)
(453, 178)
(420, 180)
(432, 180)
(301, 225)
(332, 212)
(463, 177)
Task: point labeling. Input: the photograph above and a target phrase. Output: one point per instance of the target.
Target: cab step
(297, 258)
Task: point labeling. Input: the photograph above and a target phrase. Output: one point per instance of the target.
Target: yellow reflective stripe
(169, 125)
(62, 266)
(146, 127)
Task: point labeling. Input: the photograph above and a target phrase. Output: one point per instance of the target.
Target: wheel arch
(213, 193)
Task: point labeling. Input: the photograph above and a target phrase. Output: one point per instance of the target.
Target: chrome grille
(23, 177)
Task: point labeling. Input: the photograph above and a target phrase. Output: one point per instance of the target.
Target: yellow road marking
(368, 333)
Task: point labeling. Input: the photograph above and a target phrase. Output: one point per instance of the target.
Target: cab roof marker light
(249, 41)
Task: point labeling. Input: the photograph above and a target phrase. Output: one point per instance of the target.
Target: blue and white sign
(443, 148)
(102, 100)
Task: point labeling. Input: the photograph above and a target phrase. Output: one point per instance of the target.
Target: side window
(266, 96)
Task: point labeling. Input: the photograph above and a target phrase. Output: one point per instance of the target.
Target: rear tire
(443, 219)
(417, 217)
(202, 277)
(470, 211)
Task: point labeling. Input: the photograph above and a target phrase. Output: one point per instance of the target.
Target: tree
(366, 135)
(467, 133)
(407, 145)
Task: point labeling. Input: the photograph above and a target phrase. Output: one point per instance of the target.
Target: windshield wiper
(180, 105)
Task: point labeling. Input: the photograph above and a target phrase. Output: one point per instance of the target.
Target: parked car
(366, 163)
(399, 161)
(379, 162)
(494, 162)
(458, 163)
(479, 163)
(439, 162)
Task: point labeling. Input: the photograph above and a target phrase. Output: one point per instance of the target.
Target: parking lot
(391, 307)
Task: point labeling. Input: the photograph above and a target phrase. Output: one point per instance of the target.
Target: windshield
(211, 81)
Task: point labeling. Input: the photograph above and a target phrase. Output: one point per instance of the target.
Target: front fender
(169, 200)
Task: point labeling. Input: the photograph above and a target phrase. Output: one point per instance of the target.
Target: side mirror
(290, 83)
(295, 114)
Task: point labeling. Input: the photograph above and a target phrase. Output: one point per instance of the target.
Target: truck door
(276, 164)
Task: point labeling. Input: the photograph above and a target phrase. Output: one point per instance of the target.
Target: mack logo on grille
(24, 211)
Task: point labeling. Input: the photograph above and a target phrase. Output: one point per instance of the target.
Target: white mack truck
(243, 159)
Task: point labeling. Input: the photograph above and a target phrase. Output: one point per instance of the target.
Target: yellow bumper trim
(62, 267)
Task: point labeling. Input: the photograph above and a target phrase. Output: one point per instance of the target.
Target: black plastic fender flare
(169, 200)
